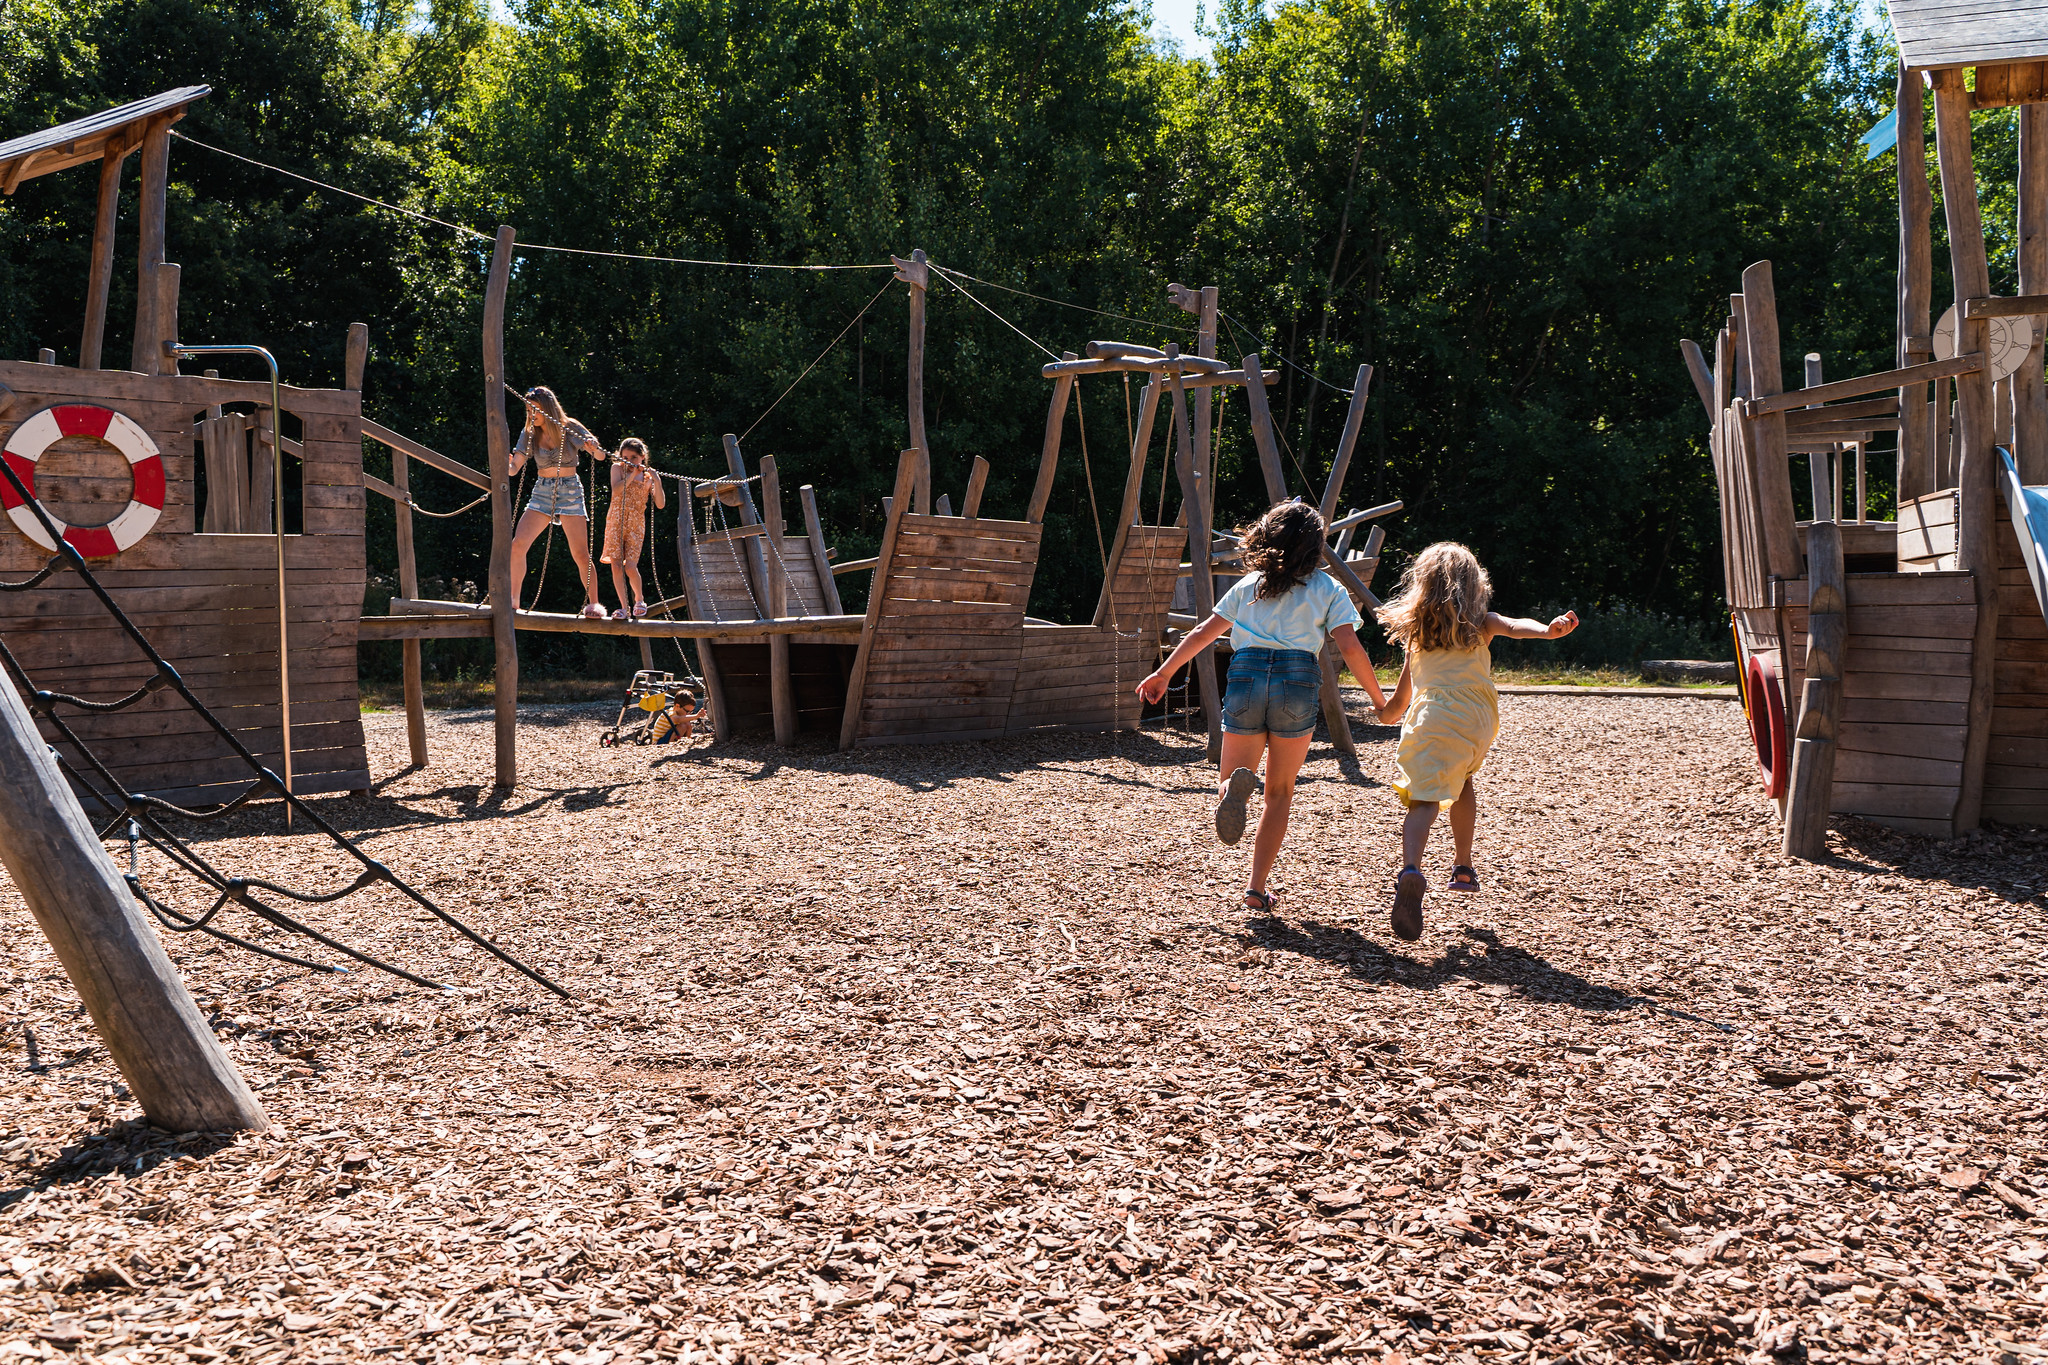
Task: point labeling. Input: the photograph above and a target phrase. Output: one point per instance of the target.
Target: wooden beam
(1976, 466)
(856, 685)
(2029, 395)
(570, 623)
(405, 445)
(821, 557)
(1134, 476)
(1819, 467)
(100, 274)
(1764, 404)
(1354, 422)
(757, 555)
(411, 663)
(917, 273)
(1916, 286)
(1769, 463)
(177, 1069)
(1702, 376)
(691, 570)
(1811, 792)
(781, 693)
(1049, 449)
(148, 357)
(1195, 503)
(355, 356)
(977, 480)
(1995, 306)
(498, 447)
(1262, 429)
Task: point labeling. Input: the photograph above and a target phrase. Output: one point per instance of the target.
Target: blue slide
(2028, 506)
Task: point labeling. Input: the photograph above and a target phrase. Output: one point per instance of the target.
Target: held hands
(1561, 626)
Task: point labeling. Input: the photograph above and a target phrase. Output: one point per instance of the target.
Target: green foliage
(1512, 209)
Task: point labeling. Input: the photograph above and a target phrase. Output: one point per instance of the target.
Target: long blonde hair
(1442, 600)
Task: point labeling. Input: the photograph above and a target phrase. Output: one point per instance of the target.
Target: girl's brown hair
(543, 397)
(1282, 547)
(634, 444)
(1441, 602)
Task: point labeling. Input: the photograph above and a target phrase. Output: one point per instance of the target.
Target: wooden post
(1262, 429)
(917, 273)
(46, 356)
(408, 564)
(2030, 396)
(166, 276)
(177, 1070)
(1819, 471)
(1811, 791)
(1976, 464)
(355, 356)
(1771, 470)
(1202, 303)
(691, 572)
(1049, 451)
(977, 480)
(856, 685)
(1916, 475)
(498, 445)
(781, 697)
(100, 276)
(821, 558)
(757, 553)
(1354, 421)
(148, 356)
(1134, 481)
(1194, 502)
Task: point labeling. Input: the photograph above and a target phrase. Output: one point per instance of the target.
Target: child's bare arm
(1194, 642)
(1359, 662)
(660, 498)
(1404, 690)
(1521, 628)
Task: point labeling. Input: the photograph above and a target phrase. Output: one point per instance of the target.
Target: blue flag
(1883, 137)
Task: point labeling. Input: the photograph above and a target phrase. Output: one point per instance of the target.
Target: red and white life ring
(1767, 723)
(145, 467)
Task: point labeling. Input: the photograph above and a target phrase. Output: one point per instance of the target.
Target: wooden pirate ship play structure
(1898, 670)
(170, 482)
(227, 518)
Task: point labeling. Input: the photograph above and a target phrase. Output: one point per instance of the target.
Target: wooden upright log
(1770, 470)
(1976, 465)
(1354, 422)
(917, 273)
(498, 447)
(2030, 396)
(148, 356)
(856, 685)
(757, 553)
(1916, 475)
(821, 557)
(176, 1068)
(1262, 429)
(1194, 502)
(692, 573)
(977, 481)
(100, 276)
(1134, 481)
(781, 696)
(409, 587)
(1812, 787)
(355, 356)
(1819, 464)
(1049, 451)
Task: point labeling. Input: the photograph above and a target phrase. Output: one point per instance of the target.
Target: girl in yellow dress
(1440, 618)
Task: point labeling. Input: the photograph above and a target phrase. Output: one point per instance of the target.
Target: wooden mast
(147, 353)
(1916, 289)
(2029, 395)
(917, 273)
(101, 276)
(781, 696)
(498, 445)
(1976, 478)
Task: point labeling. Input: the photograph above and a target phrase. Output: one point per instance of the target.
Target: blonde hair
(1282, 547)
(1441, 602)
(543, 397)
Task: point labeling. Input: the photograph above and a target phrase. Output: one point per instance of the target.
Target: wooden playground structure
(1898, 670)
(240, 505)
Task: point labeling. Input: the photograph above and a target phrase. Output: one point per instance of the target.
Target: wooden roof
(1950, 33)
(87, 139)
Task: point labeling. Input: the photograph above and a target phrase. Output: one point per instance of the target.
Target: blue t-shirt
(1300, 618)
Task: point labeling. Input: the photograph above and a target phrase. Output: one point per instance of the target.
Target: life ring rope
(41, 430)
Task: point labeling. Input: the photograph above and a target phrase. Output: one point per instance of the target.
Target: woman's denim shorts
(1272, 692)
(561, 496)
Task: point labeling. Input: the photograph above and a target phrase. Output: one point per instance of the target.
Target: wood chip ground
(969, 1053)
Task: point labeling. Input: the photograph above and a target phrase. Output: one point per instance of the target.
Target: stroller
(658, 709)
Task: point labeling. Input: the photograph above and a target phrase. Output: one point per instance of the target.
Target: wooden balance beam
(431, 620)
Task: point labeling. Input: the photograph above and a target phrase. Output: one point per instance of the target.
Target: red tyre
(1767, 723)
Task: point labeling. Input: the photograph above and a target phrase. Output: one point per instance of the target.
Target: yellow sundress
(1451, 723)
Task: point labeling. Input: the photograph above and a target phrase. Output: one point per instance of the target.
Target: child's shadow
(1481, 957)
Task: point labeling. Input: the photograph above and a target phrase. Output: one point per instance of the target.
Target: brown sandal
(1408, 890)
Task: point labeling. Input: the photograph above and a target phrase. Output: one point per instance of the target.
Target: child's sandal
(1261, 901)
(1230, 810)
(1408, 889)
(1463, 878)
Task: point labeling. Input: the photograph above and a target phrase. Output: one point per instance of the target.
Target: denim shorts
(1272, 692)
(560, 496)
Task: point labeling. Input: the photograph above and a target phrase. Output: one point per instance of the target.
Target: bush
(1618, 637)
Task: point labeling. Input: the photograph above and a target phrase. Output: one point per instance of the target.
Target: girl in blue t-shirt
(1278, 615)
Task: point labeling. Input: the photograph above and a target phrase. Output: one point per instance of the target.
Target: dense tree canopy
(1512, 209)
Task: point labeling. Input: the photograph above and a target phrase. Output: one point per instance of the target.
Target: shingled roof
(87, 139)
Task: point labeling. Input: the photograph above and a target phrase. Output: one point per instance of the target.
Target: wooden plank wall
(817, 670)
(2016, 770)
(208, 603)
(942, 661)
(1906, 687)
(1927, 533)
(1082, 676)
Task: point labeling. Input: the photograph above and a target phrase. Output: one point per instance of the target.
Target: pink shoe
(592, 611)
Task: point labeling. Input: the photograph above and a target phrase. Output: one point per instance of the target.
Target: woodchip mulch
(969, 1053)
